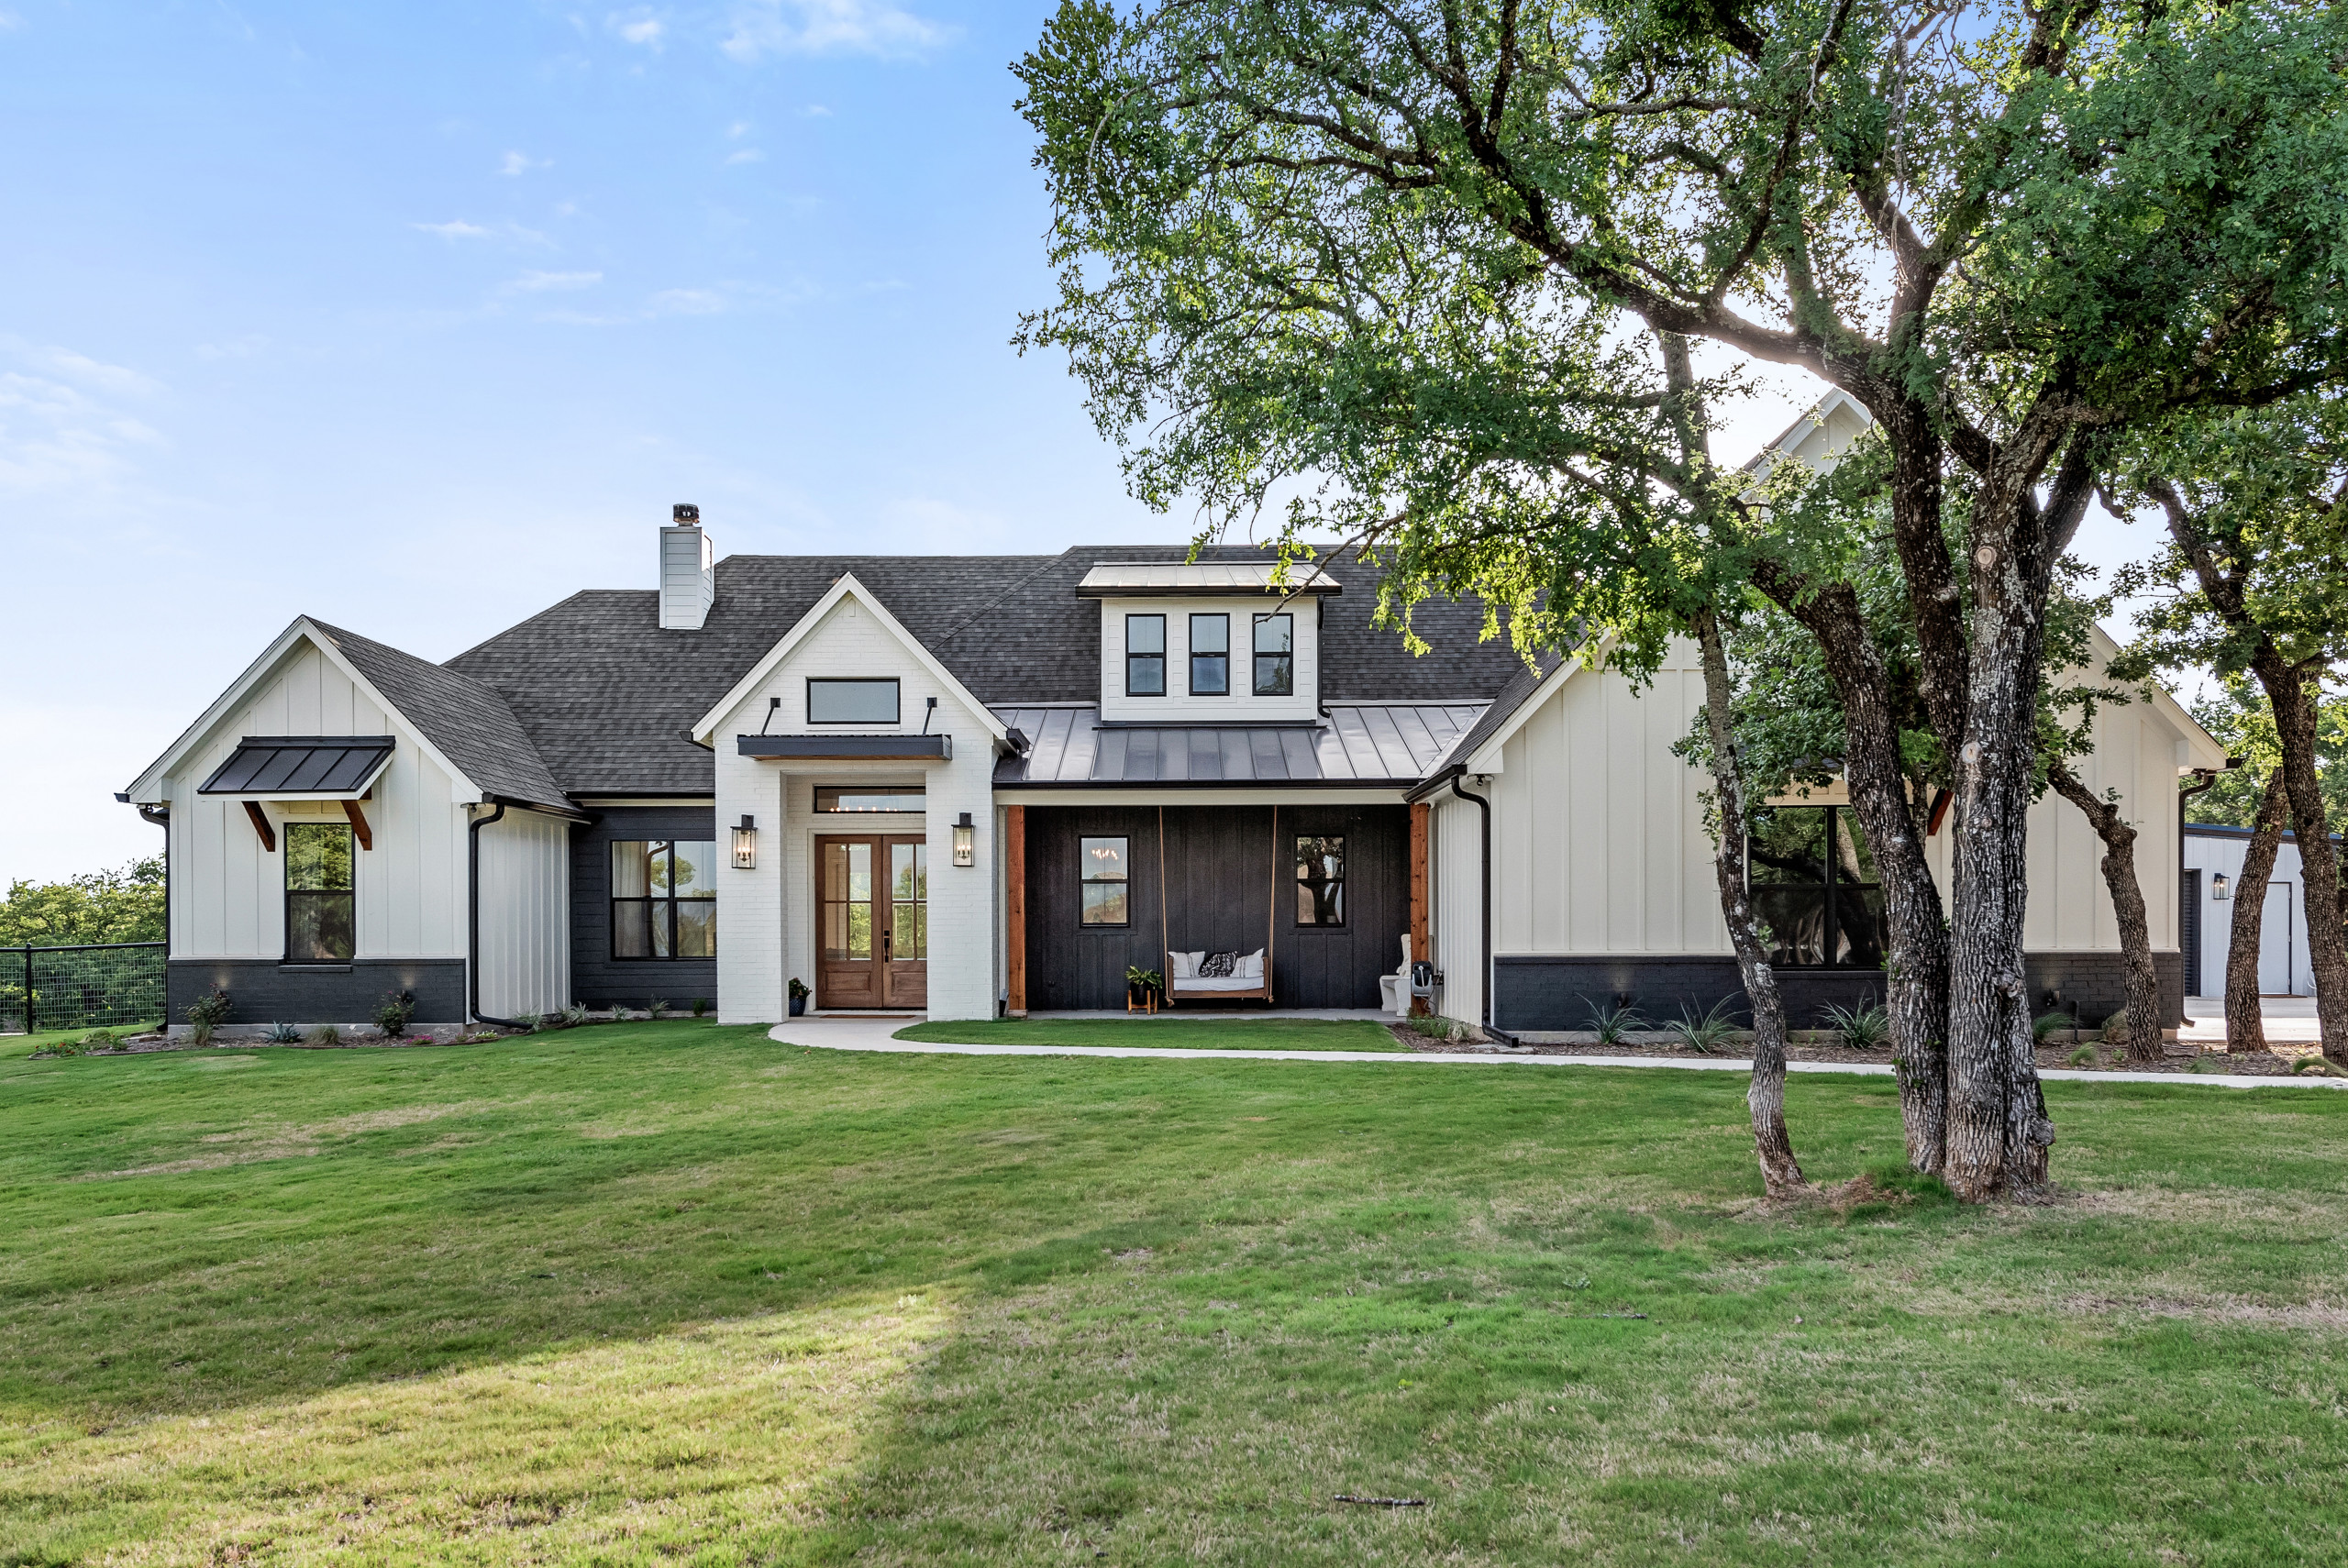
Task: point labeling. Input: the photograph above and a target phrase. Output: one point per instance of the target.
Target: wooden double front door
(872, 920)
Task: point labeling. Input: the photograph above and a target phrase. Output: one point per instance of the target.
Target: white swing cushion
(1248, 976)
(1183, 965)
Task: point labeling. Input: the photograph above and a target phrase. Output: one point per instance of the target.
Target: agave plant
(1613, 1024)
(1703, 1032)
(283, 1034)
(1864, 1028)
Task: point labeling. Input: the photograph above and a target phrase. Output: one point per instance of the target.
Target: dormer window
(1209, 655)
(1145, 656)
(1275, 656)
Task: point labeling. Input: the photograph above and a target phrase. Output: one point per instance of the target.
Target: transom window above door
(848, 798)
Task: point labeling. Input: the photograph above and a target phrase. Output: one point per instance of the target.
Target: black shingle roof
(606, 697)
(472, 725)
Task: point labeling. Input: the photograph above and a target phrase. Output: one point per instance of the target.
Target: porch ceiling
(1363, 743)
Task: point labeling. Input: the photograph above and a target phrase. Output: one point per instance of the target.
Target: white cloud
(763, 27)
(542, 282)
(816, 112)
(455, 229)
(687, 302)
(748, 155)
(10, 21)
(519, 163)
(738, 130)
(61, 430)
(89, 372)
(641, 28)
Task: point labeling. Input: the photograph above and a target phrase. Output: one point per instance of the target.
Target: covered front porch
(1310, 901)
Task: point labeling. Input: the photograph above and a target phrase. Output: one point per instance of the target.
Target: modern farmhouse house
(967, 785)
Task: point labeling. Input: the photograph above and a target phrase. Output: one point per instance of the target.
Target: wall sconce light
(966, 841)
(2219, 887)
(746, 846)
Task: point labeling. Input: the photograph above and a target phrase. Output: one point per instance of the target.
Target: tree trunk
(2288, 688)
(1916, 983)
(1781, 1175)
(2245, 1026)
(2144, 1010)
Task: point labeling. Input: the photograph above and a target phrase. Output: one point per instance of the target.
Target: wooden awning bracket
(358, 828)
(261, 825)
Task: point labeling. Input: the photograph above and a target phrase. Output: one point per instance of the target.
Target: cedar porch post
(1419, 896)
(1015, 855)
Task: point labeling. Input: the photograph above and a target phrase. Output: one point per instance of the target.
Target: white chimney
(688, 578)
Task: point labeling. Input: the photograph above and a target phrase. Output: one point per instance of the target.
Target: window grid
(1209, 655)
(321, 906)
(1102, 882)
(1145, 656)
(664, 900)
(1275, 656)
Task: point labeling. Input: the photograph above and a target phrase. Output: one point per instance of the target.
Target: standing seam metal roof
(1360, 744)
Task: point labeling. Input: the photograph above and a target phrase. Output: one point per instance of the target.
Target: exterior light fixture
(2219, 887)
(746, 846)
(966, 841)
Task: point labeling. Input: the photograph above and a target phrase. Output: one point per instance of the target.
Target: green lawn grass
(26, 1044)
(1167, 1034)
(659, 1293)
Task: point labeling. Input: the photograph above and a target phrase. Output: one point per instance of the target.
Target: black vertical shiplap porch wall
(1224, 875)
(597, 979)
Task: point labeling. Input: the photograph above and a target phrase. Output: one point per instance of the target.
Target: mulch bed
(2274, 1061)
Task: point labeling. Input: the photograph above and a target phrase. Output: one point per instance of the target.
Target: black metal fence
(101, 986)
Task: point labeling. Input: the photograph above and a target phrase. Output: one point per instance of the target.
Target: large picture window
(321, 925)
(664, 898)
(1275, 656)
(1209, 655)
(1321, 879)
(1101, 862)
(1145, 656)
(851, 702)
(1811, 875)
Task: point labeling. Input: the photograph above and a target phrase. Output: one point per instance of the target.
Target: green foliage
(798, 988)
(392, 1015)
(701, 1007)
(121, 905)
(2238, 716)
(324, 1034)
(2048, 1024)
(207, 1013)
(1712, 1030)
(283, 1034)
(2085, 1056)
(1864, 1028)
(1140, 978)
(655, 1007)
(1613, 1024)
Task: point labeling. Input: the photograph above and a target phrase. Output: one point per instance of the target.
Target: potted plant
(1143, 988)
(798, 997)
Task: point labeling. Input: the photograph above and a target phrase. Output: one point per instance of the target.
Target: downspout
(472, 920)
(1484, 804)
(161, 817)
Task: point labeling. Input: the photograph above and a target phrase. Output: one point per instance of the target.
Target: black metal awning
(849, 748)
(280, 766)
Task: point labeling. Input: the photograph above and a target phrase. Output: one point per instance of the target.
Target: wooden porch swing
(1205, 988)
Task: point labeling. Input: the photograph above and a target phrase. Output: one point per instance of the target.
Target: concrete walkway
(2287, 1020)
(849, 1033)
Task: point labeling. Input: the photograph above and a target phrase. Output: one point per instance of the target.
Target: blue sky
(417, 318)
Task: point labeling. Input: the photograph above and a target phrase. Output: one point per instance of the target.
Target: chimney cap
(686, 512)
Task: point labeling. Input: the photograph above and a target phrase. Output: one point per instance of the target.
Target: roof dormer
(1209, 642)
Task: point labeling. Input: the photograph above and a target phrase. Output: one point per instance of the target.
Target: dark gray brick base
(265, 991)
(1545, 992)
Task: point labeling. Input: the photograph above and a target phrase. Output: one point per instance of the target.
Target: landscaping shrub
(283, 1034)
(1864, 1028)
(1703, 1033)
(326, 1035)
(208, 1014)
(1613, 1024)
(393, 1016)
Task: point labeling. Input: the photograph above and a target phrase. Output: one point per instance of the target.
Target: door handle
(887, 944)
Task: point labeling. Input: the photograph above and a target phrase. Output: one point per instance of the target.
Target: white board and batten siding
(525, 916)
(1176, 705)
(227, 891)
(1599, 846)
(2284, 967)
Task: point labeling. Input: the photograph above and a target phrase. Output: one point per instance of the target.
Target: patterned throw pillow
(1218, 966)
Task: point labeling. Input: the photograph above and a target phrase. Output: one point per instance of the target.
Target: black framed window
(1145, 656)
(1321, 879)
(1101, 864)
(1813, 878)
(1275, 656)
(321, 913)
(1209, 655)
(849, 799)
(859, 701)
(664, 898)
